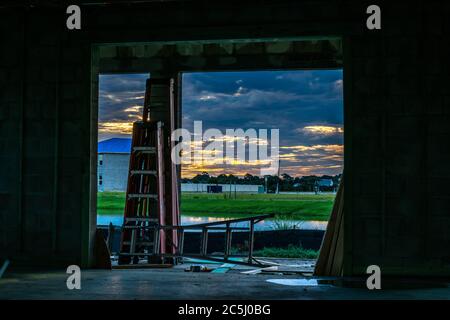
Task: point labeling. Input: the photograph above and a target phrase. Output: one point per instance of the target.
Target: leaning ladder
(145, 205)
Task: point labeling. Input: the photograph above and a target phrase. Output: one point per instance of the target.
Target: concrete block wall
(197, 56)
(44, 108)
(400, 220)
(397, 104)
(10, 134)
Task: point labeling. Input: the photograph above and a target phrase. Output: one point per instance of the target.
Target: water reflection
(117, 220)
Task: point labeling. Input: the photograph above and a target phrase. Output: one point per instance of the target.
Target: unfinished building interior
(396, 115)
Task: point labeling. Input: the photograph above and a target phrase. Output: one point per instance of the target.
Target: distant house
(112, 165)
(326, 183)
(219, 188)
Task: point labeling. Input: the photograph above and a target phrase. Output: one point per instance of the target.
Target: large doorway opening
(286, 56)
(306, 106)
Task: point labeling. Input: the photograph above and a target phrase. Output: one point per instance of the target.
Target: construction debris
(224, 268)
(197, 268)
(259, 270)
(143, 266)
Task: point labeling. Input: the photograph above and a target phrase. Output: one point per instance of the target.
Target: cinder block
(279, 47)
(212, 49)
(229, 61)
(403, 85)
(3, 75)
(368, 205)
(249, 48)
(190, 49)
(438, 207)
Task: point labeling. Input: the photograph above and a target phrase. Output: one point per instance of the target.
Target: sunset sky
(306, 106)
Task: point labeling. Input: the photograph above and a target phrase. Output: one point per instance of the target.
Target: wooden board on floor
(142, 266)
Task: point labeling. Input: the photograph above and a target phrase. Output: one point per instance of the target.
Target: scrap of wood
(259, 270)
(265, 262)
(224, 268)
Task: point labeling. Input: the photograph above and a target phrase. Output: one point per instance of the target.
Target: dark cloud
(117, 93)
(307, 107)
(285, 100)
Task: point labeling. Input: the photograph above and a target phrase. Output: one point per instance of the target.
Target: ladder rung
(137, 254)
(144, 243)
(144, 149)
(149, 172)
(143, 195)
(128, 227)
(140, 219)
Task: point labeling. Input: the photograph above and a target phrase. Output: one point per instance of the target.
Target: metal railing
(146, 235)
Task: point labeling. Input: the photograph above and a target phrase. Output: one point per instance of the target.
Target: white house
(112, 165)
(112, 170)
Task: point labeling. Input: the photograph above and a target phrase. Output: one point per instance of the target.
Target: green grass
(107, 201)
(289, 252)
(284, 206)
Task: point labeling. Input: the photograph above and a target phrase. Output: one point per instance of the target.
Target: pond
(269, 224)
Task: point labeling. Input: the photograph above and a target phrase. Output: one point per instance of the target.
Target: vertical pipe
(251, 237)
(173, 168)
(227, 241)
(181, 242)
(161, 191)
(156, 242)
(204, 244)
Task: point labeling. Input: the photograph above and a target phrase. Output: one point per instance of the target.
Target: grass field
(284, 206)
(289, 252)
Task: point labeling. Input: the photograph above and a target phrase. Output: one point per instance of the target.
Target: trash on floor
(197, 268)
(224, 268)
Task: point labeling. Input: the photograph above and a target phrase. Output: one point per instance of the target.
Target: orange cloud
(322, 130)
(115, 127)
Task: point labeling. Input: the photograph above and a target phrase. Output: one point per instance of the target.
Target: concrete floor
(175, 283)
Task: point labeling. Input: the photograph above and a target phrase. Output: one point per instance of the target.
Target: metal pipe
(251, 238)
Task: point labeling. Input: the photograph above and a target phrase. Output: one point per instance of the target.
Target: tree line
(285, 182)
